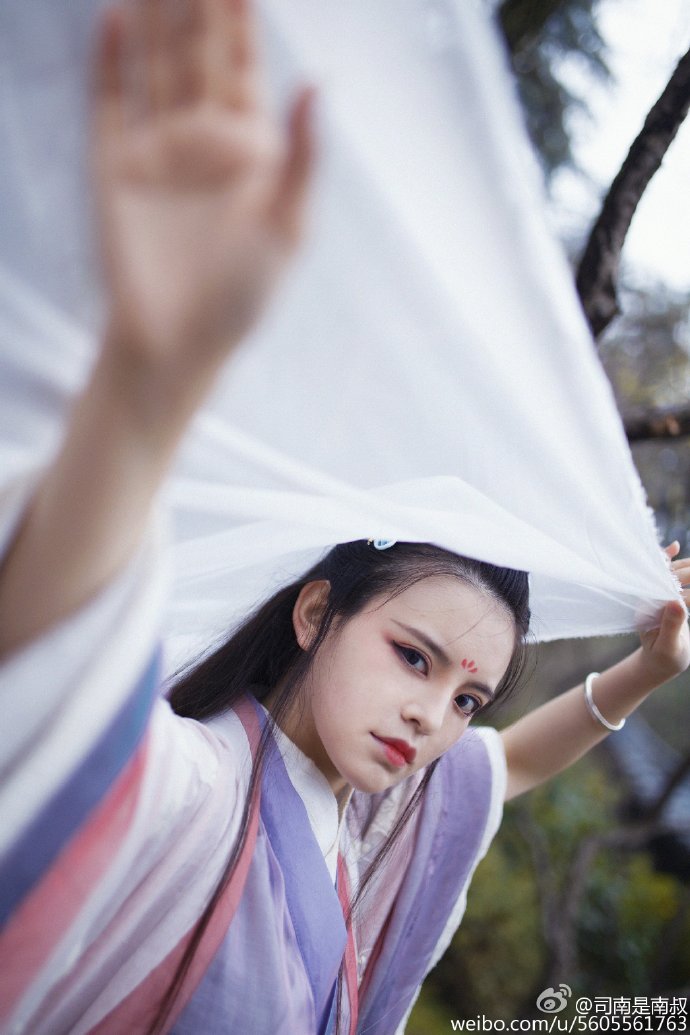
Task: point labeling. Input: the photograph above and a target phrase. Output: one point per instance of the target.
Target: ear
(308, 609)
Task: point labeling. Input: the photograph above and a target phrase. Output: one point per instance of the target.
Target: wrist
(649, 672)
(153, 395)
(619, 690)
(642, 673)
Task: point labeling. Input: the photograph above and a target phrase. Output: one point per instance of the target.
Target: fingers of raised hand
(672, 638)
(109, 69)
(233, 63)
(680, 566)
(226, 59)
(162, 54)
(681, 569)
(295, 174)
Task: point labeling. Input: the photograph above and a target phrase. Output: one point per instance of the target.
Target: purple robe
(290, 911)
(124, 816)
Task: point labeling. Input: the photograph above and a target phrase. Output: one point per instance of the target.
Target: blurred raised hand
(200, 190)
(200, 198)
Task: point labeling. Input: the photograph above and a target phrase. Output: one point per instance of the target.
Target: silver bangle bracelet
(594, 711)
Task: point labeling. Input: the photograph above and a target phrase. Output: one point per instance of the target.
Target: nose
(426, 711)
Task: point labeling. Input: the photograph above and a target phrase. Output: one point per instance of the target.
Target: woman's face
(397, 685)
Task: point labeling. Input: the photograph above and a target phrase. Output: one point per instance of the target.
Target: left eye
(468, 704)
(413, 658)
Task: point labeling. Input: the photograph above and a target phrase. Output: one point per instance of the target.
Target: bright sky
(646, 39)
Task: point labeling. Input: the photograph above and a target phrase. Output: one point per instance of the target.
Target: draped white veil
(424, 374)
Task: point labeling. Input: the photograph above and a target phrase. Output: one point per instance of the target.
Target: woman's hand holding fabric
(552, 737)
(666, 649)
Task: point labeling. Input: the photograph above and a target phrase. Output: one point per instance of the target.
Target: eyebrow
(441, 655)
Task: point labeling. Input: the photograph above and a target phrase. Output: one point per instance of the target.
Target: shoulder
(194, 784)
(479, 754)
(474, 778)
(228, 738)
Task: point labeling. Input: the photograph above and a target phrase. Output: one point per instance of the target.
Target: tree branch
(544, 873)
(598, 270)
(561, 909)
(521, 21)
(670, 942)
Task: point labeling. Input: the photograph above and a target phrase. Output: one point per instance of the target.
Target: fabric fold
(424, 371)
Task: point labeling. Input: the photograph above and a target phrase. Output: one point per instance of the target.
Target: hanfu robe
(117, 819)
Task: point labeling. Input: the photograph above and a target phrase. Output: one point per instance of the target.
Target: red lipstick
(398, 752)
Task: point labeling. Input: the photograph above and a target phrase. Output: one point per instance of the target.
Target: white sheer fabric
(425, 373)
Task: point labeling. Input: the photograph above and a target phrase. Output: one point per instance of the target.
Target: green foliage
(646, 353)
(667, 710)
(628, 908)
(540, 34)
(633, 933)
(429, 1017)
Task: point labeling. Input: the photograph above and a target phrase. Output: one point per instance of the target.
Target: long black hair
(263, 655)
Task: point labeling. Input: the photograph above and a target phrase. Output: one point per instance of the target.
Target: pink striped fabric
(138, 1011)
(36, 927)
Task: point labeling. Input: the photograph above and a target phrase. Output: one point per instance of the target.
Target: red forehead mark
(469, 665)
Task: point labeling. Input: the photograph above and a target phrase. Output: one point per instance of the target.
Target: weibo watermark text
(601, 1013)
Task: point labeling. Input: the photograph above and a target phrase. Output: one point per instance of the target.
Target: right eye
(413, 658)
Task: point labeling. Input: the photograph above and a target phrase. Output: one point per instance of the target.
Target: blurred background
(588, 881)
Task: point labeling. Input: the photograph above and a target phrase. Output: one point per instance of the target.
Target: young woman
(287, 848)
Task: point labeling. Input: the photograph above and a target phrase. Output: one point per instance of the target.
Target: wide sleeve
(493, 746)
(108, 802)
